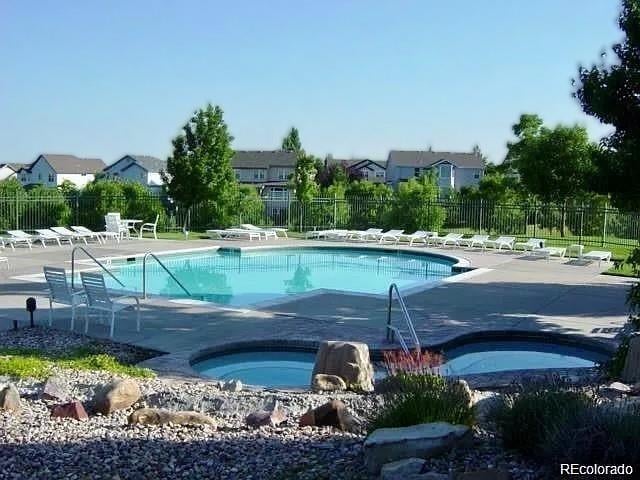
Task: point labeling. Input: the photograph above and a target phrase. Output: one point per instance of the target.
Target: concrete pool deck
(516, 293)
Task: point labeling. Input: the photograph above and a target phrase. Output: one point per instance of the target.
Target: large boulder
(156, 416)
(400, 469)
(331, 414)
(117, 395)
(323, 382)
(271, 416)
(73, 410)
(631, 370)
(417, 441)
(55, 388)
(10, 398)
(348, 360)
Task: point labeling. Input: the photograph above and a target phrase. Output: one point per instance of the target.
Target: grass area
(33, 363)
(623, 270)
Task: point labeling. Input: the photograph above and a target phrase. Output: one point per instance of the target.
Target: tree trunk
(187, 218)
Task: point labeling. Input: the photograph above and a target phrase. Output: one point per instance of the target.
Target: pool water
(242, 279)
(286, 369)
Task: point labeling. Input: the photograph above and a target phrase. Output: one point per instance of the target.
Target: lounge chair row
(247, 231)
(55, 235)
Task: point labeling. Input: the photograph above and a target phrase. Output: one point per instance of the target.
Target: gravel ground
(34, 445)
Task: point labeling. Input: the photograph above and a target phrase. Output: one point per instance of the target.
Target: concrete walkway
(516, 293)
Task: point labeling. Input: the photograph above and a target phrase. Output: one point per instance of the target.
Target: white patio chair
(233, 233)
(60, 292)
(12, 241)
(113, 224)
(530, 245)
(600, 255)
(99, 236)
(150, 227)
(267, 232)
(46, 234)
(500, 242)
(548, 252)
(364, 235)
(474, 241)
(65, 232)
(98, 298)
(417, 236)
(449, 238)
(276, 230)
(24, 237)
(392, 236)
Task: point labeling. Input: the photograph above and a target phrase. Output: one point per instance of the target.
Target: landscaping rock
(400, 469)
(73, 410)
(331, 414)
(618, 387)
(631, 370)
(489, 474)
(56, 389)
(464, 388)
(232, 386)
(422, 441)
(323, 382)
(348, 360)
(10, 399)
(117, 395)
(272, 417)
(156, 416)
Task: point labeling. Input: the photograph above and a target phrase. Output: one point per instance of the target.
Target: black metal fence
(590, 225)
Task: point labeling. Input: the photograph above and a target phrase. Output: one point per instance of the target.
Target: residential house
(454, 170)
(268, 170)
(51, 170)
(138, 168)
(364, 168)
(8, 170)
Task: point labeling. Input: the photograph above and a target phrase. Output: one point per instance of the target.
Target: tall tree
(610, 91)
(200, 167)
(291, 142)
(554, 164)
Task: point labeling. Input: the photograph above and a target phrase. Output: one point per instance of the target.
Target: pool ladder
(144, 274)
(392, 330)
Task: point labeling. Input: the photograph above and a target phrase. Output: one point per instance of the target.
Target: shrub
(413, 398)
(416, 206)
(524, 418)
(416, 361)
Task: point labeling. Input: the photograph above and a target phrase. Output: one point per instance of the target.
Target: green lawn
(33, 363)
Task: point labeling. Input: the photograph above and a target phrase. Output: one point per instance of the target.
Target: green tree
(416, 206)
(369, 203)
(610, 91)
(68, 188)
(12, 203)
(200, 167)
(47, 207)
(291, 142)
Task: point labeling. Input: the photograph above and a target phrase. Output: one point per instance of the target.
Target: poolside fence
(564, 224)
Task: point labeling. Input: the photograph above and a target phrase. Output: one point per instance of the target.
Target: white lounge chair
(12, 241)
(599, 255)
(65, 232)
(452, 238)
(60, 292)
(474, 241)
(277, 230)
(547, 252)
(530, 245)
(22, 236)
(98, 298)
(267, 232)
(150, 227)
(392, 236)
(231, 233)
(46, 234)
(419, 236)
(500, 242)
(365, 235)
(99, 236)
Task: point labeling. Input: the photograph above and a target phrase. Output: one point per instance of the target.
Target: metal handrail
(391, 330)
(98, 262)
(144, 274)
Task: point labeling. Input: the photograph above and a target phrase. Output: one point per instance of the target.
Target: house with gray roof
(8, 170)
(454, 170)
(363, 168)
(143, 169)
(53, 169)
(268, 170)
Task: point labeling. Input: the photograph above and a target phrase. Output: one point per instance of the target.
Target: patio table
(130, 224)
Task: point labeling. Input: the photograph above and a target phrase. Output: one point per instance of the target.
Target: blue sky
(358, 78)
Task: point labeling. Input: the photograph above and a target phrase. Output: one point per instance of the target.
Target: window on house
(416, 172)
(39, 176)
(365, 173)
(84, 174)
(444, 171)
(379, 174)
(258, 175)
(51, 178)
(476, 175)
(237, 175)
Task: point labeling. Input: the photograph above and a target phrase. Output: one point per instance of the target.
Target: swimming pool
(243, 278)
(292, 369)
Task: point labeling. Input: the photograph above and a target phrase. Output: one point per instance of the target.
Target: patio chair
(149, 227)
(474, 241)
(599, 255)
(65, 232)
(250, 226)
(449, 238)
(46, 234)
(548, 252)
(365, 235)
(267, 232)
(98, 298)
(392, 236)
(113, 224)
(500, 242)
(99, 236)
(22, 236)
(417, 236)
(60, 292)
(530, 245)
(233, 233)
(12, 241)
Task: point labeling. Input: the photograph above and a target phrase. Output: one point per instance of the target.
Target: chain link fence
(589, 225)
